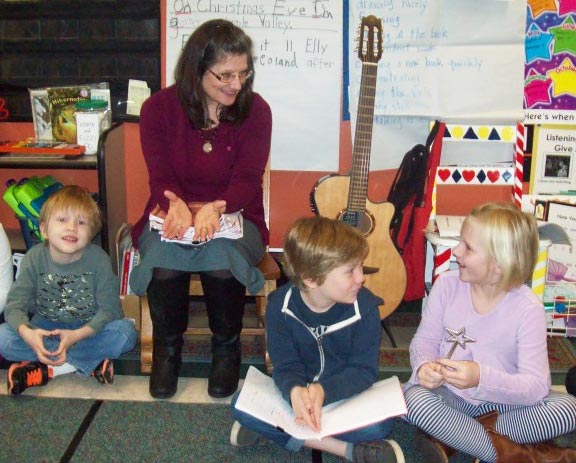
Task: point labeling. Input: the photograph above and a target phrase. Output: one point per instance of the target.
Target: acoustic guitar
(345, 197)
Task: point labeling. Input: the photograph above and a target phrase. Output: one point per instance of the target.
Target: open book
(231, 226)
(262, 399)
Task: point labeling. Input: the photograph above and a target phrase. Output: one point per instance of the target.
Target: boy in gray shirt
(63, 313)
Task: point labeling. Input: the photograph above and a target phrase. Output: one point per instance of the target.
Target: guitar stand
(388, 332)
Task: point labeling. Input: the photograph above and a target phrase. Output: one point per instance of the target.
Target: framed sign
(553, 159)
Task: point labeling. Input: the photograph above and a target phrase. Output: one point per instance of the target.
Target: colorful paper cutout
(564, 79)
(548, 90)
(537, 44)
(565, 36)
(536, 88)
(566, 6)
(476, 133)
(540, 6)
(482, 175)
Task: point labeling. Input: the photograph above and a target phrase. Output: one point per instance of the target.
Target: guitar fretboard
(358, 191)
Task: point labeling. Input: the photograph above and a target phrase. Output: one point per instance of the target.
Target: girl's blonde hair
(73, 198)
(314, 246)
(510, 238)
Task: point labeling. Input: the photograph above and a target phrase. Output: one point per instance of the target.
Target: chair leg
(388, 332)
(316, 456)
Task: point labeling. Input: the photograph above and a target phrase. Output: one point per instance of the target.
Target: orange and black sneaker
(104, 372)
(23, 375)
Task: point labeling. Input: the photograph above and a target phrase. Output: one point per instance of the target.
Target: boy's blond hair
(75, 198)
(510, 238)
(314, 246)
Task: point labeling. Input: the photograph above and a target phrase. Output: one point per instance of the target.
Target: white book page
(231, 226)
(262, 399)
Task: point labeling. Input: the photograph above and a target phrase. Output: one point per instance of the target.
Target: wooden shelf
(37, 162)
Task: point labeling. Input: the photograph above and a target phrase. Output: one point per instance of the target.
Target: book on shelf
(130, 259)
(261, 398)
(231, 226)
(124, 275)
(127, 257)
(61, 102)
(134, 261)
(123, 243)
(41, 114)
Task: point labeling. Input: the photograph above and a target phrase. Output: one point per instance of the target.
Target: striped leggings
(450, 419)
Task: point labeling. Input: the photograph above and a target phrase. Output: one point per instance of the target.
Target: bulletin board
(450, 60)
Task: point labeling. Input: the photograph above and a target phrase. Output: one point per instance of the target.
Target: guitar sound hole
(363, 221)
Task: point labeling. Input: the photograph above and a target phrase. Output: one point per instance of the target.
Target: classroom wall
(289, 191)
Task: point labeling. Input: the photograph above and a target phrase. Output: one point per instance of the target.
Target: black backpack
(408, 189)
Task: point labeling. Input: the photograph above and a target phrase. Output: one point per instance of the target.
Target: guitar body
(384, 268)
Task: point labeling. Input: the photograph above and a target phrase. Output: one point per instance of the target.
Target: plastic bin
(30, 231)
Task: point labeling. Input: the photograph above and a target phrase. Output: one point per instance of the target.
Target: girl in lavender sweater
(481, 379)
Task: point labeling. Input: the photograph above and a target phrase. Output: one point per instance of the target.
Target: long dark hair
(209, 43)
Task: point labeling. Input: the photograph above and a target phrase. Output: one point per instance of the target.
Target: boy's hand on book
(317, 396)
(305, 407)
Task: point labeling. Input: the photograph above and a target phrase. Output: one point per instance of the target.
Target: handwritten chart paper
(460, 61)
(261, 398)
(298, 64)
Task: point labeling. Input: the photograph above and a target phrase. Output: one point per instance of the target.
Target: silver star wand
(457, 338)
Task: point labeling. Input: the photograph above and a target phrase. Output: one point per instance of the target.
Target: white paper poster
(459, 61)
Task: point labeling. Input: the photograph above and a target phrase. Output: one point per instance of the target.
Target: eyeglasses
(227, 77)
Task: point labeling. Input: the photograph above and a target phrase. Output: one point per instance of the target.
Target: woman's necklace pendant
(207, 139)
(207, 146)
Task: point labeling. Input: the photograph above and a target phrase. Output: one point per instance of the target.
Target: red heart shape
(468, 175)
(493, 175)
(444, 174)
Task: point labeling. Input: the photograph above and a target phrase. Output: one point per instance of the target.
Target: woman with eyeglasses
(206, 142)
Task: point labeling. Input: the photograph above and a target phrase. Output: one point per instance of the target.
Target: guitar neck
(358, 191)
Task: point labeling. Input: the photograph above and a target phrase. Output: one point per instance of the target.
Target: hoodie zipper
(321, 351)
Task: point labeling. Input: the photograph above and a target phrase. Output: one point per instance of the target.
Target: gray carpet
(58, 430)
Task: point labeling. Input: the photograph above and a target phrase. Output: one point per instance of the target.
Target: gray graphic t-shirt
(85, 291)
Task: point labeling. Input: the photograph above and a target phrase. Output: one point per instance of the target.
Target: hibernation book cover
(61, 102)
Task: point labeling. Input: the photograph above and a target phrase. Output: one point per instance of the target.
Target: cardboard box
(131, 308)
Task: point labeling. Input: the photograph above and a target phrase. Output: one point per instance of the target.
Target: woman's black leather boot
(225, 369)
(225, 298)
(168, 299)
(166, 362)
